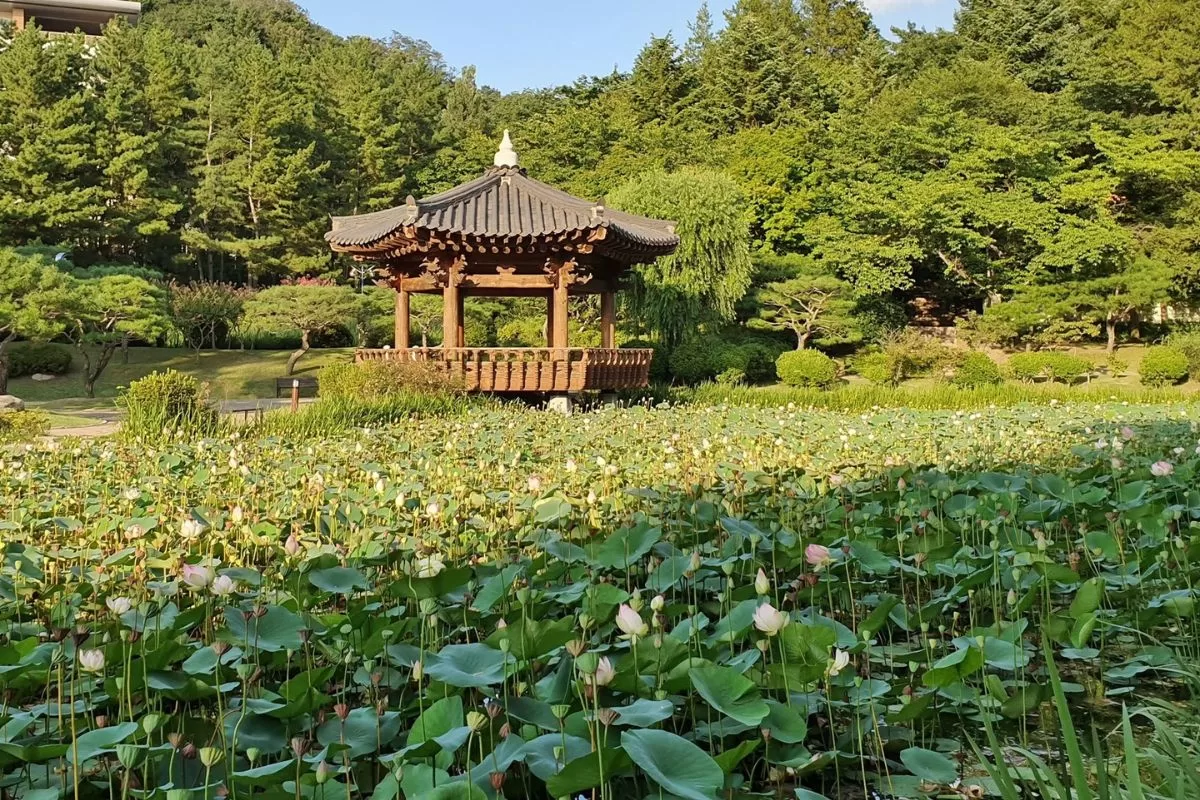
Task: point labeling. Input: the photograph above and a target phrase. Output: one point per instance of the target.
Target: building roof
(505, 204)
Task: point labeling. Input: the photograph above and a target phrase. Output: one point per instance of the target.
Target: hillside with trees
(1033, 173)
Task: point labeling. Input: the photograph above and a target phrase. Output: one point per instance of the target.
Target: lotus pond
(680, 602)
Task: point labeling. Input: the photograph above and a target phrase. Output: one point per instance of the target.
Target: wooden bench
(283, 385)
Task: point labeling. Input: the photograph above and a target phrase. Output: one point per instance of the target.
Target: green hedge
(32, 358)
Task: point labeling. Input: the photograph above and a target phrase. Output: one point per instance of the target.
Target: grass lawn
(230, 374)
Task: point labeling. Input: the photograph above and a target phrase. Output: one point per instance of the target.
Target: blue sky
(519, 44)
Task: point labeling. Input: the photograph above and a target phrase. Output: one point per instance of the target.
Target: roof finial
(505, 156)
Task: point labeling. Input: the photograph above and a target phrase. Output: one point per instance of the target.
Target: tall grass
(335, 414)
(1165, 767)
(940, 397)
(169, 405)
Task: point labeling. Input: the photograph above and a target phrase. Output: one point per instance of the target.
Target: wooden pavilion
(505, 234)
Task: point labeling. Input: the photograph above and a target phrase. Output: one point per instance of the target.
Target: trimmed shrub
(31, 358)
(875, 367)
(1164, 365)
(808, 368)
(1026, 367)
(695, 361)
(1056, 367)
(167, 405)
(977, 369)
(23, 426)
(1188, 344)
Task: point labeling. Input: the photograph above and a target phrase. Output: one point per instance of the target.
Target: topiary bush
(809, 368)
(1164, 365)
(32, 358)
(165, 406)
(977, 369)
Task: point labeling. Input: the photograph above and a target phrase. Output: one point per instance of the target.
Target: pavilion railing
(530, 369)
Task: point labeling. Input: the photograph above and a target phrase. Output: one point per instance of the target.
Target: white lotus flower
(223, 586)
(132, 494)
(630, 622)
(190, 529)
(841, 659)
(770, 620)
(91, 660)
(118, 605)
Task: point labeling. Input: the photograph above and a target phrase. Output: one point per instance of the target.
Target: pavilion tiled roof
(505, 203)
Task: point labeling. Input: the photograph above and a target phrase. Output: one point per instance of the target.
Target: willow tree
(710, 272)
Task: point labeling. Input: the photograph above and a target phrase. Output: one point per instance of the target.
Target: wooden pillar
(18, 18)
(560, 319)
(402, 318)
(550, 320)
(451, 307)
(608, 320)
(461, 334)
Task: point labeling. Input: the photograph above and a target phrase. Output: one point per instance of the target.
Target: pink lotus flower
(630, 622)
(818, 556)
(1162, 469)
(196, 575)
(769, 619)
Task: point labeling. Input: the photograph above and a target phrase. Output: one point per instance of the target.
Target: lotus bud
(497, 780)
(418, 671)
(693, 564)
(292, 545)
(630, 622)
(253, 754)
(761, 584)
(342, 711)
(766, 734)
(763, 645)
(324, 772)
(175, 739)
(657, 603)
(585, 621)
(300, 746)
(211, 756)
(1012, 597)
(188, 751)
(604, 673)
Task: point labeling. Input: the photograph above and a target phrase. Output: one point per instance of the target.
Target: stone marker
(41, 376)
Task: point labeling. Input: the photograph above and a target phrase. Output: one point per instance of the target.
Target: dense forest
(1034, 172)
